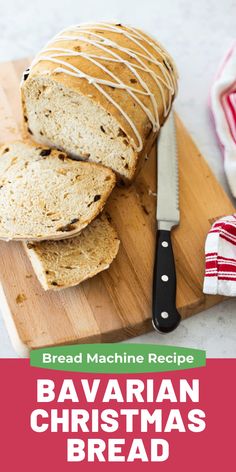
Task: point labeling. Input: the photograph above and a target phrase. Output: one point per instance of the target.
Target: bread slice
(65, 263)
(46, 195)
(100, 92)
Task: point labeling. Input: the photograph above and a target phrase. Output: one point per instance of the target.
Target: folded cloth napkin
(220, 250)
(223, 105)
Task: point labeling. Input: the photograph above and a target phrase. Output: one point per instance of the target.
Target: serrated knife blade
(165, 317)
(168, 176)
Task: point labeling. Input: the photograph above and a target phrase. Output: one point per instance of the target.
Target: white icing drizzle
(112, 49)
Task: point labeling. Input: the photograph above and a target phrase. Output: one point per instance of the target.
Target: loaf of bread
(100, 92)
(65, 263)
(46, 195)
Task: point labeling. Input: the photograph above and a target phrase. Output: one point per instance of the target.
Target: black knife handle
(165, 317)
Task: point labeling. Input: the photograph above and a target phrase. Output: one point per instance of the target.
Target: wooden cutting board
(116, 304)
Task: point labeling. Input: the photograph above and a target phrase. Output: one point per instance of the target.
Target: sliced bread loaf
(65, 263)
(100, 91)
(46, 195)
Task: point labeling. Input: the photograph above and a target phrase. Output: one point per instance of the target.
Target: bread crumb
(145, 209)
(21, 297)
(28, 276)
(150, 192)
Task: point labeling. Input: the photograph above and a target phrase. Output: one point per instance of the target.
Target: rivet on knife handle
(165, 317)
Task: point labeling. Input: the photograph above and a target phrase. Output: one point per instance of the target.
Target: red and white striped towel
(220, 247)
(220, 250)
(223, 106)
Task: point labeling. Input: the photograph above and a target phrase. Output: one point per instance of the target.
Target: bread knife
(165, 317)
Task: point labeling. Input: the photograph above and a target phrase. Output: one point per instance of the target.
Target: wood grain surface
(115, 304)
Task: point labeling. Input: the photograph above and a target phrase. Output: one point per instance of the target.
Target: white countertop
(197, 34)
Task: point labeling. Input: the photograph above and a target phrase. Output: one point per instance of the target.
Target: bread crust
(58, 163)
(62, 264)
(119, 69)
